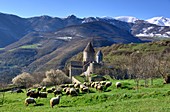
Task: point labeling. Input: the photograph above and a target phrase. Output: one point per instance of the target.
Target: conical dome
(89, 53)
(99, 56)
(89, 48)
(99, 53)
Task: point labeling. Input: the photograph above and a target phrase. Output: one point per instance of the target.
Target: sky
(142, 9)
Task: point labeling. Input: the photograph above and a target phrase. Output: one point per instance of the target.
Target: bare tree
(135, 67)
(24, 79)
(163, 65)
(55, 77)
(151, 67)
(120, 64)
(38, 76)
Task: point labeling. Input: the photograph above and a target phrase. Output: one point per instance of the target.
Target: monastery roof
(89, 48)
(99, 53)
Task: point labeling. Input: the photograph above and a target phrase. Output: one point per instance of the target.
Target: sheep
(73, 92)
(67, 91)
(85, 89)
(17, 91)
(108, 84)
(42, 94)
(64, 89)
(100, 87)
(77, 85)
(29, 101)
(53, 88)
(58, 91)
(118, 84)
(95, 86)
(34, 95)
(39, 88)
(44, 89)
(92, 84)
(103, 83)
(30, 92)
(49, 91)
(66, 85)
(85, 83)
(20, 91)
(71, 85)
(62, 85)
(55, 100)
(77, 90)
(82, 86)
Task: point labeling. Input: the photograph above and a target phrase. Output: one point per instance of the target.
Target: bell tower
(99, 56)
(89, 53)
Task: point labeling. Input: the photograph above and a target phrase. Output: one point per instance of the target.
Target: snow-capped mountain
(128, 19)
(142, 28)
(161, 21)
(13, 28)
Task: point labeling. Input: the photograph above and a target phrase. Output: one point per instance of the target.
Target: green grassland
(33, 46)
(118, 50)
(30, 46)
(155, 98)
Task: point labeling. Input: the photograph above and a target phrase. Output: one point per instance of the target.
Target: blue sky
(142, 9)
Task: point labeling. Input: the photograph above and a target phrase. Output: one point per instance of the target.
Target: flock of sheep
(68, 89)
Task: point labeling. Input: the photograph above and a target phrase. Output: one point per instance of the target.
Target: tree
(164, 67)
(152, 68)
(135, 67)
(24, 79)
(38, 76)
(116, 68)
(55, 77)
(120, 65)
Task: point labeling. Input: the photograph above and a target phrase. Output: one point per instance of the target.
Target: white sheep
(108, 84)
(29, 101)
(55, 101)
(73, 92)
(118, 84)
(42, 94)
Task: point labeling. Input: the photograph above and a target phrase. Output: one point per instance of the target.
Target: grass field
(30, 46)
(155, 98)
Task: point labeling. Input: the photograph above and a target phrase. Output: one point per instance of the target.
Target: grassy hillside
(118, 50)
(150, 99)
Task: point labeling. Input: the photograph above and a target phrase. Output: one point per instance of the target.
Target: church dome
(99, 53)
(89, 48)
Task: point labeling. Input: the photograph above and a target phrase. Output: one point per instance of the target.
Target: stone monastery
(91, 62)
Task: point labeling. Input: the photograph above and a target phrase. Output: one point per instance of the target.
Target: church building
(90, 63)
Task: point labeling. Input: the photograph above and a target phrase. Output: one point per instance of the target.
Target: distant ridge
(13, 28)
(42, 43)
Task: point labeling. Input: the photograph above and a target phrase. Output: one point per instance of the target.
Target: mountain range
(41, 43)
(13, 28)
(160, 21)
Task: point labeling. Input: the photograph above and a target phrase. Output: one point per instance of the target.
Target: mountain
(161, 21)
(13, 28)
(128, 19)
(152, 29)
(41, 43)
(41, 51)
(144, 29)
